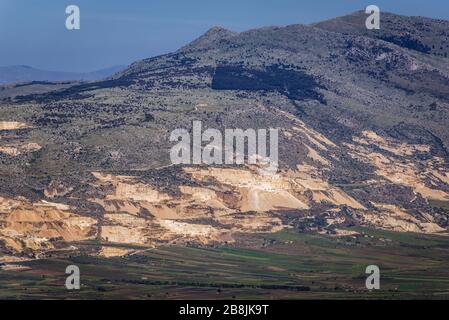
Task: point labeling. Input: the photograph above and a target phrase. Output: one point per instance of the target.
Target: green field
(287, 266)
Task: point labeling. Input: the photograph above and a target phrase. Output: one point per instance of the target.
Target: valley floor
(284, 265)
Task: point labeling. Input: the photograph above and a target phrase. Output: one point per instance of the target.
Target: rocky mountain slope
(363, 141)
(421, 34)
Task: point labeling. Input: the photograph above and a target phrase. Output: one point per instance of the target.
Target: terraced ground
(284, 265)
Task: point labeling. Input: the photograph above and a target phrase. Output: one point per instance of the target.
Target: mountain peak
(211, 37)
(217, 30)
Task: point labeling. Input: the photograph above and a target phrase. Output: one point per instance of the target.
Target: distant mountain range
(16, 74)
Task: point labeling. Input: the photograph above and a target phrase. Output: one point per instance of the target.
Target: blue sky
(119, 32)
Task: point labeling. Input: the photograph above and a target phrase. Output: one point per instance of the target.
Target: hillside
(363, 142)
(421, 34)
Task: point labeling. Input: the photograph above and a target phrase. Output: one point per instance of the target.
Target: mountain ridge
(418, 33)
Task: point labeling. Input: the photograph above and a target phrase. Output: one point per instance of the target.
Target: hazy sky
(113, 32)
